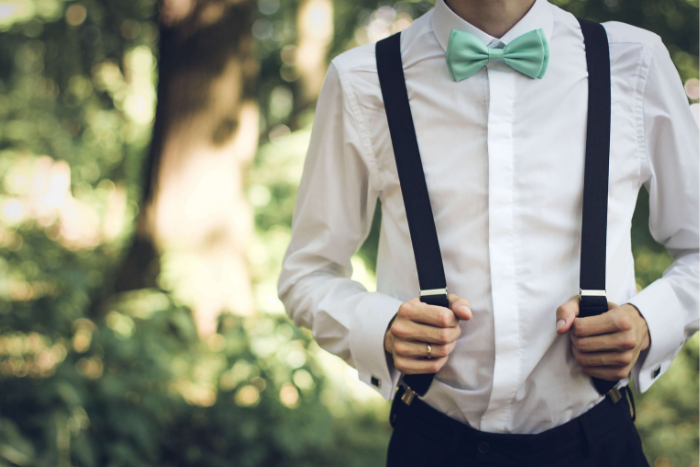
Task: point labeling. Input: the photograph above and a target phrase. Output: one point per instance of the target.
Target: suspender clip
(408, 396)
(425, 292)
(614, 395)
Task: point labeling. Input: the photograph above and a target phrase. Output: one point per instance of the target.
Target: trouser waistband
(579, 434)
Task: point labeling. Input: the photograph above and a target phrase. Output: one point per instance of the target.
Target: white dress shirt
(503, 156)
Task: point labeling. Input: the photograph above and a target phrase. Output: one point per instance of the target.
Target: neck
(494, 17)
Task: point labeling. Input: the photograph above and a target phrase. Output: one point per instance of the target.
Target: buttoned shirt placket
(506, 314)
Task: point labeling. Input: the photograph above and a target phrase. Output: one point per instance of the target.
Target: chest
(501, 126)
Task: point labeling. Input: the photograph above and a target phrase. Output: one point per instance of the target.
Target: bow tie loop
(466, 54)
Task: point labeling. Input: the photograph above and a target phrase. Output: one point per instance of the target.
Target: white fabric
(503, 156)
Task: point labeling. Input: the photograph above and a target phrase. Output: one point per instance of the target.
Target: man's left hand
(608, 345)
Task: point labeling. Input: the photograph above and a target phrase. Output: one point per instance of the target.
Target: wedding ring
(430, 351)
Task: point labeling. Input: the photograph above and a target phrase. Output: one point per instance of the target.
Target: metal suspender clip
(408, 395)
(614, 395)
(425, 292)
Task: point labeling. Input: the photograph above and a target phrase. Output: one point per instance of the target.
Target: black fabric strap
(421, 223)
(595, 182)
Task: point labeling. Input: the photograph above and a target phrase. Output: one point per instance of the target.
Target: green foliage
(667, 414)
(140, 388)
(129, 383)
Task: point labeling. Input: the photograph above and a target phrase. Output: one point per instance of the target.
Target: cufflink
(376, 381)
(656, 372)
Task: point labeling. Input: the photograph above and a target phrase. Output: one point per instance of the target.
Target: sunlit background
(143, 223)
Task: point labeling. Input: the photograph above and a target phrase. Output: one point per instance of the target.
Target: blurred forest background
(143, 222)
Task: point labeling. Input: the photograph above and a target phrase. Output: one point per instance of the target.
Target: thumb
(460, 307)
(566, 313)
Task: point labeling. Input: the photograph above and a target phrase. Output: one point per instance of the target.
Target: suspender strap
(421, 224)
(593, 300)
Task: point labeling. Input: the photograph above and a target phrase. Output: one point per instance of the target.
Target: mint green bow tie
(466, 54)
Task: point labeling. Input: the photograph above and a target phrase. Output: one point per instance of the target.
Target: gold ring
(430, 351)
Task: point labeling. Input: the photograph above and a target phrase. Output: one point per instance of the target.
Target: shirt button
(483, 447)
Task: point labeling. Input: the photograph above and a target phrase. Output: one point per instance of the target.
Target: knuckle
(629, 342)
(578, 328)
(405, 309)
(439, 351)
(399, 330)
(579, 344)
(445, 350)
(393, 328)
(399, 363)
(621, 373)
(435, 366)
(444, 336)
(444, 317)
(399, 348)
(626, 358)
(623, 322)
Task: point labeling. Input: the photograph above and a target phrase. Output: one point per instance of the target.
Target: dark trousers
(604, 436)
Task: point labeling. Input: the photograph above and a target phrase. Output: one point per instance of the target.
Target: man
(503, 160)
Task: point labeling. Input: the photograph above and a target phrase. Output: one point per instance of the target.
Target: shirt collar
(444, 20)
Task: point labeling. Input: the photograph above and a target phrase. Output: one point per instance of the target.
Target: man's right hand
(416, 324)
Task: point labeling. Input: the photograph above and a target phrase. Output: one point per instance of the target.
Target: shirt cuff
(374, 365)
(660, 307)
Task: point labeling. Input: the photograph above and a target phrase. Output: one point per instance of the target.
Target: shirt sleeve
(670, 173)
(335, 204)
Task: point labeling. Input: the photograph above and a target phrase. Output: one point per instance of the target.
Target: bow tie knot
(528, 54)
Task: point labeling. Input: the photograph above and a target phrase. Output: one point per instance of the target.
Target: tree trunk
(195, 219)
(314, 36)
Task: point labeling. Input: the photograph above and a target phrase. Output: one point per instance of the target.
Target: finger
(413, 349)
(411, 366)
(414, 331)
(608, 373)
(566, 314)
(460, 306)
(615, 320)
(619, 341)
(591, 359)
(428, 314)
(434, 315)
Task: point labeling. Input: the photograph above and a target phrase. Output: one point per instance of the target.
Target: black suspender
(593, 300)
(431, 275)
(421, 224)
